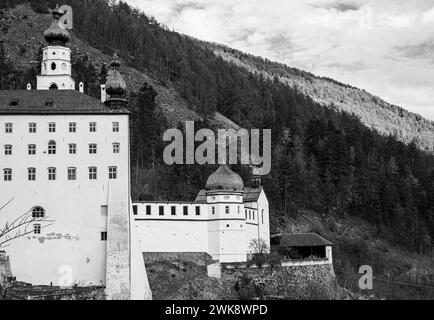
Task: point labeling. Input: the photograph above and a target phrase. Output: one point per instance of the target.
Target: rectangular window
(52, 127)
(32, 127)
(185, 209)
(31, 173)
(227, 209)
(92, 126)
(72, 127)
(173, 210)
(161, 210)
(8, 127)
(148, 210)
(37, 229)
(92, 173)
(262, 216)
(135, 210)
(197, 210)
(31, 149)
(8, 150)
(72, 148)
(52, 147)
(115, 126)
(113, 172)
(51, 173)
(253, 215)
(104, 236)
(116, 147)
(213, 210)
(7, 174)
(104, 210)
(72, 174)
(92, 148)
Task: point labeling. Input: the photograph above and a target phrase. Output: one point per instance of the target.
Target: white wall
(59, 56)
(73, 241)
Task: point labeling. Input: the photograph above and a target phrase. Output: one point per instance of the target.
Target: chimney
(81, 87)
(103, 93)
(29, 86)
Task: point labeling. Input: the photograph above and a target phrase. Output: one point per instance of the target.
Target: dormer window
(14, 102)
(53, 86)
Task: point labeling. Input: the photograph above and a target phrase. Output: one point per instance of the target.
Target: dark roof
(62, 102)
(303, 240)
(249, 195)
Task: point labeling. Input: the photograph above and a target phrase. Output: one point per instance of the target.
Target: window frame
(72, 173)
(9, 127)
(7, 174)
(32, 127)
(113, 172)
(93, 173)
(52, 174)
(31, 174)
(52, 147)
(52, 127)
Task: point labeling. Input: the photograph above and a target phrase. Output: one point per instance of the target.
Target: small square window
(37, 229)
(113, 172)
(8, 127)
(72, 174)
(104, 236)
(52, 127)
(72, 127)
(92, 148)
(32, 127)
(116, 147)
(31, 173)
(31, 149)
(72, 148)
(8, 150)
(92, 126)
(7, 174)
(92, 173)
(51, 173)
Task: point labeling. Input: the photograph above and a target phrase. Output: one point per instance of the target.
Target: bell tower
(56, 57)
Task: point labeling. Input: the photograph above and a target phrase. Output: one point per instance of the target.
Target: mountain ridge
(374, 112)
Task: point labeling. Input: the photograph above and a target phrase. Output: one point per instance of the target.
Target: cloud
(384, 47)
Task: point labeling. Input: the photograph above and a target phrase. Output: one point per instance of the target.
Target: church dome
(55, 35)
(224, 179)
(115, 84)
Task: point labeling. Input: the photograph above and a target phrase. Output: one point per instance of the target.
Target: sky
(383, 46)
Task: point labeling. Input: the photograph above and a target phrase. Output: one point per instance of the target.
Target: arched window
(38, 212)
(53, 66)
(53, 86)
(64, 67)
(52, 147)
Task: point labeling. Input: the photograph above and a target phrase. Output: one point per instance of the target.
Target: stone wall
(295, 282)
(199, 258)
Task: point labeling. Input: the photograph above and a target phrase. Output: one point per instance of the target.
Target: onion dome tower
(227, 235)
(225, 179)
(115, 86)
(56, 57)
(55, 35)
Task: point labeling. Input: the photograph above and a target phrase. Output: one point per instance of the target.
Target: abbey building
(65, 170)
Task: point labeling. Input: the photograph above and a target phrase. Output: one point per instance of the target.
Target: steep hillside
(22, 38)
(375, 113)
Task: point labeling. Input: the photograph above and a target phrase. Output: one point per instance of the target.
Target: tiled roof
(303, 240)
(51, 102)
(249, 195)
